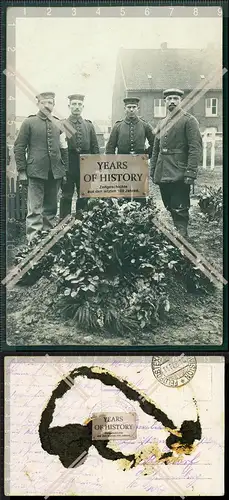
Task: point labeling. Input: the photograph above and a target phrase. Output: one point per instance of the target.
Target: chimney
(164, 46)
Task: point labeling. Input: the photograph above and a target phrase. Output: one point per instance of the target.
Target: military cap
(45, 95)
(77, 97)
(131, 100)
(168, 92)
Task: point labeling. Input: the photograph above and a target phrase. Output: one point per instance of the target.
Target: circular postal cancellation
(174, 371)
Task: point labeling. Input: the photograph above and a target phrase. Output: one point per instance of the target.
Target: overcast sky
(70, 55)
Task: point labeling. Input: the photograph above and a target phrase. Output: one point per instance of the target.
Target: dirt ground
(192, 320)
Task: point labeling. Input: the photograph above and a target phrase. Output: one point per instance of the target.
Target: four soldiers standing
(47, 153)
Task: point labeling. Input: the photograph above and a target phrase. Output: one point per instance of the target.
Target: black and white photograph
(114, 176)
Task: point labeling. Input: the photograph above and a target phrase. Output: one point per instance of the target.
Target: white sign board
(114, 176)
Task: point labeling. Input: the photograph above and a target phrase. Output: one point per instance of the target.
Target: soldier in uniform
(175, 159)
(41, 155)
(84, 141)
(128, 136)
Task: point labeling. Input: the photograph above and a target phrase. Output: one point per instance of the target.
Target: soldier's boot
(81, 207)
(65, 207)
(180, 219)
(182, 229)
(79, 215)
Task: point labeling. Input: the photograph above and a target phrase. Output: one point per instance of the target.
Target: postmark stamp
(174, 371)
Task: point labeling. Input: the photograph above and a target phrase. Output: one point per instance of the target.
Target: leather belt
(166, 151)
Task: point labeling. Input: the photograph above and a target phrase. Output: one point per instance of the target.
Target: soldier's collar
(43, 116)
(75, 119)
(174, 113)
(135, 119)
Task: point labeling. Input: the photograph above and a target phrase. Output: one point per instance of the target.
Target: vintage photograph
(114, 179)
(139, 425)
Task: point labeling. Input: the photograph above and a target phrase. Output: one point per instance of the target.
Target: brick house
(147, 72)
(102, 128)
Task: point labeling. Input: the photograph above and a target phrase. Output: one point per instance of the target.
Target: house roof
(168, 67)
(97, 128)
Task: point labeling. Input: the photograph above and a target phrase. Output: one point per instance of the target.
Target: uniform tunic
(176, 156)
(84, 141)
(41, 152)
(129, 136)
(177, 151)
(45, 145)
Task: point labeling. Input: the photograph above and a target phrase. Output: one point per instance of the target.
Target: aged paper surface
(30, 470)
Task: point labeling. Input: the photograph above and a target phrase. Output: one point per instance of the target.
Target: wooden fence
(16, 205)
